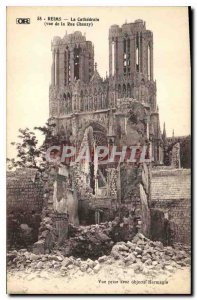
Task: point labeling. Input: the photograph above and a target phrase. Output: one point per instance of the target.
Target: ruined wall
(24, 191)
(25, 198)
(185, 150)
(171, 194)
(65, 198)
(135, 194)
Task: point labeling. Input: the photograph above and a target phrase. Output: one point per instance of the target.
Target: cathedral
(118, 110)
(121, 107)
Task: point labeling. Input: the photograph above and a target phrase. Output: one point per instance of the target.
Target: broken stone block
(39, 265)
(158, 244)
(38, 247)
(59, 258)
(131, 245)
(66, 262)
(130, 258)
(97, 268)
(148, 262)
(102, 259)
(77, 262)
(44, 234)
(137, 267)
(70, 267)
(138, 250)
(83, 267)
(90, 263)
(33, 256)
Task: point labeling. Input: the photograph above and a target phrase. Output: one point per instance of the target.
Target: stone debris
(148, 257)
(94, 241)
(141, 255)
(88, 241)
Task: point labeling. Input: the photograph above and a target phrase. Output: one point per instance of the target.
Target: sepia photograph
(98, 178)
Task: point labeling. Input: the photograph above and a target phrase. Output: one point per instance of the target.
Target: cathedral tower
(131, 50)
(73, 59)
(131, 63)
(78, 95)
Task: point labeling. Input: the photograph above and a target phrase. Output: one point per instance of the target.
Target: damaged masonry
(79, 216)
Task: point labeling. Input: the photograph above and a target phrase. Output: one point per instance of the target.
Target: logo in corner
(22, 20)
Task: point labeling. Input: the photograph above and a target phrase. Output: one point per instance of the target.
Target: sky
(29, 60)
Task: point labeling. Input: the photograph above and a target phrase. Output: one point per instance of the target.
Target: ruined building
(120, 109)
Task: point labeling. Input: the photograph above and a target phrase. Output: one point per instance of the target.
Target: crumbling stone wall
(112, 182)
(184, 151)
(161, 228)
(178, 214)
(65, 199)
(135, 194)
(24, 190)
(171, 195)
(25, 196)
(60, 207)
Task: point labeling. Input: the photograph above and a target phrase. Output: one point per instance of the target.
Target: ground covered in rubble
(137, 266)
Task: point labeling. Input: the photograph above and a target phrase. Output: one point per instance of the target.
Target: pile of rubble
(141, 254)
(83, 241)
(94, 241)
(24, 260)
(89, 242)
(146, 256)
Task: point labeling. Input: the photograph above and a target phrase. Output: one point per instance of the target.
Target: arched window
(76, 62)
(99, 105)
(82, 101)
(90, 102)
(125, 56)
(56, 67)
(95, 99)
(86, 100)
(128, 90)
(68, 67)
(75, 102)
(102, 101)
(119, 91)
(65, 104)
(113, 57)
(128, 45)
(128, 57)
(149, 62)
(124, 90)
(125, 47)
(90, 99)
(69, 102)
(137, 53)
(62, 130)
(95, 102)
(65, 67)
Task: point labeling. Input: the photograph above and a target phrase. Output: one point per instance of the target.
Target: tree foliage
(29, 153)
